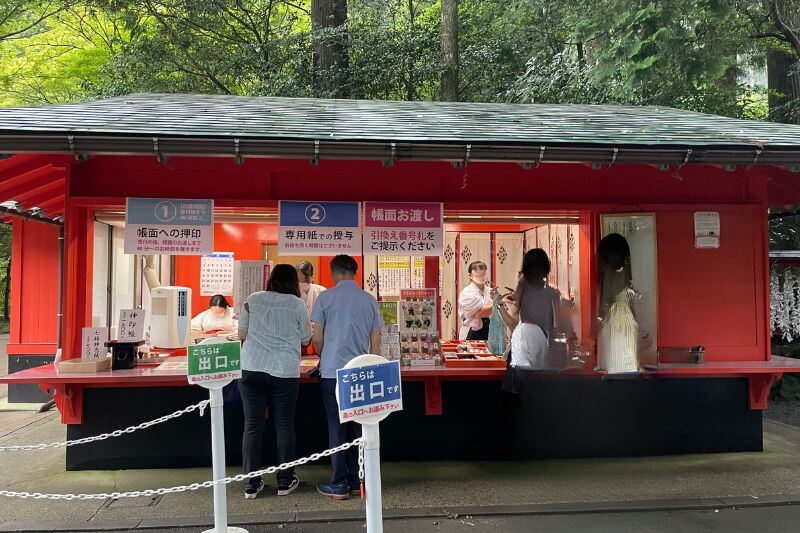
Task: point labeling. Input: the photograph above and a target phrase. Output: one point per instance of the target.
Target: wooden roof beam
(35, 197)
(32, 180)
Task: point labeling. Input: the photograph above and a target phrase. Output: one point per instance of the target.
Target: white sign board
(168, 226)
(249, 277)
(403, 228)
(706, 229)
(319, 228)
(216, 274)
(131, 325)
(368, 389)
(93, 343)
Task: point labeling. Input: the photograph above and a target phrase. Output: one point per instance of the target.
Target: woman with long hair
(273, 326)
(539, 307)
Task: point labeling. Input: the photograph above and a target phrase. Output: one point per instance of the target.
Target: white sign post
(368, 388)
(213, 364)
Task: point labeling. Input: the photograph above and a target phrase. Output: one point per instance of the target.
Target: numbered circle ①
(165, 211)
(315, 213)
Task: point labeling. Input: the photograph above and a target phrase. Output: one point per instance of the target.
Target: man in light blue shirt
(347, 324)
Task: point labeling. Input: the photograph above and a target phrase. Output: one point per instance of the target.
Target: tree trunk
(783, 70)
(331, 61)
(410, 93)
(784, 87)
(449, 50)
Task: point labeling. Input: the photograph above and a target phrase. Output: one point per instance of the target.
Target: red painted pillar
(77, 276)
(17, 237)
(588, 228)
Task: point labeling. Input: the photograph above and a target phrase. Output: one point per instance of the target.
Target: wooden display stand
(82, 366)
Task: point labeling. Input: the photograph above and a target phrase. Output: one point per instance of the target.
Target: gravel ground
(785, 411)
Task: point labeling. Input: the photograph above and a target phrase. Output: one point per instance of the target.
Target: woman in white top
(475, 304)
(309, 291)
(218, 316)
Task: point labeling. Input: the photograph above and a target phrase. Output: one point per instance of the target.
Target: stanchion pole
(372, 473)
(218, 458)
(218, 464)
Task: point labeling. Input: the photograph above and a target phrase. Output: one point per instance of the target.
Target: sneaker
(334, 491)
(285, 490)
(355, 490)
(251, 493)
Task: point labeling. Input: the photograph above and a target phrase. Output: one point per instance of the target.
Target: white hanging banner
(249, 277)
(403, 228)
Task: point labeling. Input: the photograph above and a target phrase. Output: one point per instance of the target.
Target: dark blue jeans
(345, 464)
(259, 391)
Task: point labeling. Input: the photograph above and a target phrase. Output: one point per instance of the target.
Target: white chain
(361, 461)
(183, 488)
(118, 433)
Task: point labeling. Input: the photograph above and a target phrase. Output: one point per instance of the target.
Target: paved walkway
(777, 518)
(438, 487)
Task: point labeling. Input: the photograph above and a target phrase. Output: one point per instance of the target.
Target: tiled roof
(219, 116)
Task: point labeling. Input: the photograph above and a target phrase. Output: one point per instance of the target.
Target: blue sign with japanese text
(322, 228)
(371, 391)
(320, 214)
(169, 226)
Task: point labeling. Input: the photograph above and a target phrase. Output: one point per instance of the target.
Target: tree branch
(792, 35)
(216, 81)
(44, 16)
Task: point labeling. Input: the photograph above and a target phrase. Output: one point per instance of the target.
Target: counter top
(69, 387)
(153, 374)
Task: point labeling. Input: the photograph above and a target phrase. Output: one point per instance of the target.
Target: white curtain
(562, 255)
(530, 239)
(507, 259)
(449, 297)
(371, 274)
(573, 245)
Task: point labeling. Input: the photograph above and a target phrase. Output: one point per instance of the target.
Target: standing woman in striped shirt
(273, 326)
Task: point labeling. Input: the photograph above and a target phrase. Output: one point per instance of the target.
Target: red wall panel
(34, 295)
(713, 297)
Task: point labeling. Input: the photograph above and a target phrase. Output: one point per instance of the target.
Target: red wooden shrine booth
(496, 168)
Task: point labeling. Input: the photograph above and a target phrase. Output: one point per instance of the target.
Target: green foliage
(693, 54)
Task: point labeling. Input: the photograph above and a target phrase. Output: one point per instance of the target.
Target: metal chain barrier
(183, 488)
(361, 461)
(201, 406)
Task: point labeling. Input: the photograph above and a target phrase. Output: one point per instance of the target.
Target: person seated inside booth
(218, 316)
(309, 291)
(475, 304)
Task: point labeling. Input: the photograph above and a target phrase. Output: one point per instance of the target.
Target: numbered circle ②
(166, 211)
(315, 213)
